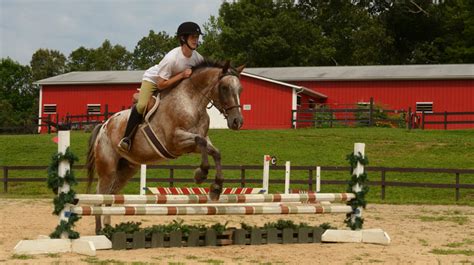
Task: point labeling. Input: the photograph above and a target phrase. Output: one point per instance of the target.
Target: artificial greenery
(178, 225)
(60, 202)
(359, 200)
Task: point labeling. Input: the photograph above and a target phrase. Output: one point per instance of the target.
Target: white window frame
(45, 112)
(424, 103)
(92, 106)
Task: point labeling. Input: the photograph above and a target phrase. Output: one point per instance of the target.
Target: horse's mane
(208, 63)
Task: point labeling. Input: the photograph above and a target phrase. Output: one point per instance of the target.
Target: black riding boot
(133, 121)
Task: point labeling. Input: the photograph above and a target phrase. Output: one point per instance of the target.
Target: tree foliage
(151, 49)
(18, 96)
(47, 63)
(271, 33)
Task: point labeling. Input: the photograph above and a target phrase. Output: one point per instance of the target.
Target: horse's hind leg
(113, 178)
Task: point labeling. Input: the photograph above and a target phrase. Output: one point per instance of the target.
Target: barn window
(49, 109)
(93, 108)
(424, 106)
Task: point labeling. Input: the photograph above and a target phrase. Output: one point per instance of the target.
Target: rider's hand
(186, 73)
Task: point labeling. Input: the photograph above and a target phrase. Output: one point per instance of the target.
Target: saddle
(147, 130)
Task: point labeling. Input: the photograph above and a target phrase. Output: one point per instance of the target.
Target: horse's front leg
(204, 147)
(216, 187)
(200, 174)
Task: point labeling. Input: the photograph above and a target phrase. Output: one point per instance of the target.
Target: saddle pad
(155, 142)
(198, 191)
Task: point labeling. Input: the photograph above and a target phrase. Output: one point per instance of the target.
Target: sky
(65, 25)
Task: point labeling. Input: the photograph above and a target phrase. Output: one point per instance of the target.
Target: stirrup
(125, 144)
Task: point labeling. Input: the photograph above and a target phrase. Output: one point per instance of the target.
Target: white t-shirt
(173, 63)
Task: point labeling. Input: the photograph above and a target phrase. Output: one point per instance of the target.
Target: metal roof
(94, 77)
(316, 73)
(128, 77)
(374, 72)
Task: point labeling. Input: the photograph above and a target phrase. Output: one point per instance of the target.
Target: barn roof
(131, 77)
(372, 72)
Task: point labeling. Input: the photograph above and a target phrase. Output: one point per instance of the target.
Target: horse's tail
(91, 157)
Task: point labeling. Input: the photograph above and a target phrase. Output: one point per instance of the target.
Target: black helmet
(188, 28)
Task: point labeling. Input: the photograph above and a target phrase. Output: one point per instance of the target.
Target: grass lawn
(326, 147)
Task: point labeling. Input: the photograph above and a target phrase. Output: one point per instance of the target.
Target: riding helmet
(188, 28)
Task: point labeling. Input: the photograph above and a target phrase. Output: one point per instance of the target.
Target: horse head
(229, 89)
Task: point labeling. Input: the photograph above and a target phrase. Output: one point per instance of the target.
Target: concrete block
(375, 236)
(100, 242)
(343, 236)
(42, 246)
(83, 247)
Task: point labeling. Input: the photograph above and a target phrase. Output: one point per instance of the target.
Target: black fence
(356, 115)
(451, 183)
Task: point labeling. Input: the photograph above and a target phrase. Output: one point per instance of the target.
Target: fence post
(409, 119)
(242, 177)
(457, 187)
(106, 113)
(445, 120)
(371, 112)
(422, 120)
(64, 167)
(49, 123)
(5, 179)
(359, 148)
(382, 185)
(171, 177)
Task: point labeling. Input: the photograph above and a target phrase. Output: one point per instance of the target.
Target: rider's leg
(136, 115)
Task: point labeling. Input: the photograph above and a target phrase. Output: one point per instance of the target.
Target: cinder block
(343, 236)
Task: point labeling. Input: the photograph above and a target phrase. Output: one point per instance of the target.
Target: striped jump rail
(205, 199)
(209, 210)
(197, 190)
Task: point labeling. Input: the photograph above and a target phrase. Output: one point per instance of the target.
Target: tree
(108, 57)
(81, 59)
(151, 49)
(47, 63)
(456, 42)
(18, 97)
(354, 29)
(266, 33)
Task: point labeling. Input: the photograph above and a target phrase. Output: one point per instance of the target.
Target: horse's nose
(237, 124)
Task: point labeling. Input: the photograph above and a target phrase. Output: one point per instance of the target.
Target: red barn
(270, 94)
(429, 88)
(266, 103)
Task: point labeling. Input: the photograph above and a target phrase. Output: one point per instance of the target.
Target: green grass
(385, 147)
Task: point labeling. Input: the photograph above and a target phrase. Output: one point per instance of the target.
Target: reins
(219, 107)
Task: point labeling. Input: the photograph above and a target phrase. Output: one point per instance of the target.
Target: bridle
(221, 108)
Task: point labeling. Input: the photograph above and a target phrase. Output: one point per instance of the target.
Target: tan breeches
(146, 90)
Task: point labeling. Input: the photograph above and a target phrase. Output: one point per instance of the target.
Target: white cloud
(65, 25)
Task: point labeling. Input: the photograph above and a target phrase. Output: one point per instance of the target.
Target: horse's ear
(240, 68)
(226, 67)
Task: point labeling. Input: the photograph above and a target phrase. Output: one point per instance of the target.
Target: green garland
(60, 202)
(359, 200)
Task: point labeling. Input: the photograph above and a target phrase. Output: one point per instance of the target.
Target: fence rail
(426, 116)
(243, 180)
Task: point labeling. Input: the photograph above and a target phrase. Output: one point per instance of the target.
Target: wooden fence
(243, 180)
(348, 115)
(447, 118)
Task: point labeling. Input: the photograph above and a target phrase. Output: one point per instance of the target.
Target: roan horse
(181, 123)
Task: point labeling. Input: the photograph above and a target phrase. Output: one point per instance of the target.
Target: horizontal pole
(203, 198)
(209, 210)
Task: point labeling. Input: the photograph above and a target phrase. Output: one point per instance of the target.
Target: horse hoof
(215, 192)
(199, 176)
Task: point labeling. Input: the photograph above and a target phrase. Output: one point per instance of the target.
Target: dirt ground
(420, 235)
